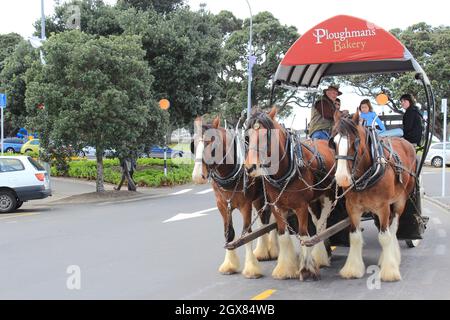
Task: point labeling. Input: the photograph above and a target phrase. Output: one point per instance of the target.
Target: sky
(19, 15)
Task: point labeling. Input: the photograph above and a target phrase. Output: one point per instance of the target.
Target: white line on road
(184, 216)
(20, 215)
(180, 192)
(205, 191)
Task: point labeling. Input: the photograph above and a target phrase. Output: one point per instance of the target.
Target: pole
(165, 161)
(42, 21)
(444, 151)
(250, 65)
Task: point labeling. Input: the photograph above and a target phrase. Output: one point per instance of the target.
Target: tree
(13, 82)
(183, 50)
(96, 18)
(160, 6)
(270, 41)
(8, 43)
(97, 92)
(429, 46)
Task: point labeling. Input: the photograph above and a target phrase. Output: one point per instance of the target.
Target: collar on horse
(230, 180)
(377, 168)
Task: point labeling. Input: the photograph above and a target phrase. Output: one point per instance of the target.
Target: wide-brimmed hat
(332, 86)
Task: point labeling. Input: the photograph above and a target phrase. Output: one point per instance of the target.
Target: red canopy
(343, 45)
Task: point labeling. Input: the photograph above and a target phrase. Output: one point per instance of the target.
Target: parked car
(21, 179)
(158, 152)
(435, 154)
(30, 146)
(12, 145)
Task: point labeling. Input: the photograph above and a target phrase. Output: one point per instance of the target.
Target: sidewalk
(77, 191)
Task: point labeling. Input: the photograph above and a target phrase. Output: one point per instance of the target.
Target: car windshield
(36, 164)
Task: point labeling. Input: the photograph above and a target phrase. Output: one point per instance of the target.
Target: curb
(437, 202)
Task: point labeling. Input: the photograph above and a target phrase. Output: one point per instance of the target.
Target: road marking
(264, 295)
(184, 216)
(205, 191)
(20, 215)
(180, 192)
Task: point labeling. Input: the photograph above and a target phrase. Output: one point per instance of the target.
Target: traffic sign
(2, 100)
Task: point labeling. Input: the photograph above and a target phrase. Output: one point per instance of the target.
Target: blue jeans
(321, 135)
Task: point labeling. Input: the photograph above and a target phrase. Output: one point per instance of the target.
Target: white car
(21, 179)
(435, 154)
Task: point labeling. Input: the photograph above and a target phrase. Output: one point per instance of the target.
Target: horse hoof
(283, 275)
(227, 270)
(390, 275)
(252, 275)
(349, 273)
(309, 275)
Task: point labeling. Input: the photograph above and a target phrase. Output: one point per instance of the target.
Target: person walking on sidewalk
(128, 165)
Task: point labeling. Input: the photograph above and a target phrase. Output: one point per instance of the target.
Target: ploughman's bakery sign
(344, 39)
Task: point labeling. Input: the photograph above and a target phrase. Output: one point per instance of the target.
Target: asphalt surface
(128, 251)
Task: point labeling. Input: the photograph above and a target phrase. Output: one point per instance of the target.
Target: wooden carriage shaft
(307, 242)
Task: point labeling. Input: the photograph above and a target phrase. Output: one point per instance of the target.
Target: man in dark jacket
(412, 120)
(322, 114)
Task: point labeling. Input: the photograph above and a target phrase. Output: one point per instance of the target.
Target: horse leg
(230, 264)
(273, 241)
(308, 266)
(287, 264)
(354, 265)
(319, 252)
(262, 246)
(252, 269)
(390, 256)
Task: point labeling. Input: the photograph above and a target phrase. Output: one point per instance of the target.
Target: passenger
(412, 120)
(322, 114)
(367, 115)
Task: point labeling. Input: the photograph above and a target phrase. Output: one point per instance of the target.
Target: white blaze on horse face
(197, 173)
(343, 177)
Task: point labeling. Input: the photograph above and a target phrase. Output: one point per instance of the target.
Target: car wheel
(176, 155)
(82, 154)
(436, 162)
(19, 204)
(28, 151)
(9, 150)
(8, 201)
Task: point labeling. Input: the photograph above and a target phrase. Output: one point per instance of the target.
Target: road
(126, 251)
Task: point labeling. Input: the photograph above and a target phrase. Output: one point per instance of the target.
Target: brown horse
(289, 187)
(217, 155)
(386, 197)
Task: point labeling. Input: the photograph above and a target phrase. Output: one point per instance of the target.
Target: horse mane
(259, 116)
(345, 126)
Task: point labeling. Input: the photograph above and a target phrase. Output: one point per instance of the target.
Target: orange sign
(382, 99)
(164, 104)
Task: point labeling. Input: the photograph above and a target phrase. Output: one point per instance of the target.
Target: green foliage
(8, 44)
(149, 172)
(160, 6)
(13, 82)
(183, 50)
(96, 91)
(270, 41)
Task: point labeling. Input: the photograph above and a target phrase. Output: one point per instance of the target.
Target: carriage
(340, 46)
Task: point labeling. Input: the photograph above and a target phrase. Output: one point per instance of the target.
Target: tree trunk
(100, 179)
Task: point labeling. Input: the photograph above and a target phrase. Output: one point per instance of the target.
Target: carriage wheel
(412, 243)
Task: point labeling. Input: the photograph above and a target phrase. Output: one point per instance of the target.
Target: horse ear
(337, 116)
(216, 122)
(273, 113)
(355, 118)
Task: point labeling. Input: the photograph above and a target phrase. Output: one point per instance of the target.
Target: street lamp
(37, 42)
(251, 62)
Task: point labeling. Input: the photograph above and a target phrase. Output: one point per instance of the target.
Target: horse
(291, 187)
(384, 194)
(226, 171)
